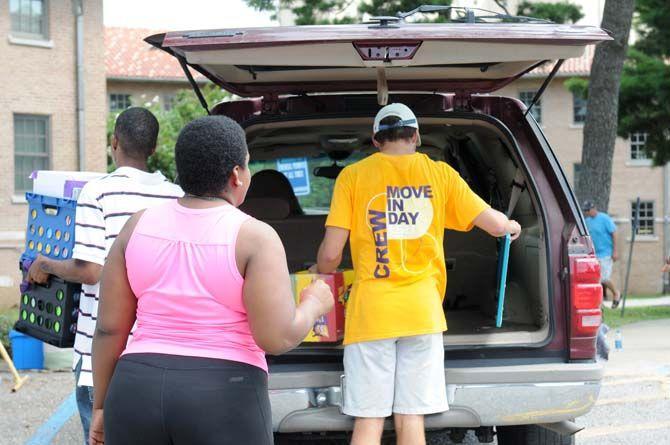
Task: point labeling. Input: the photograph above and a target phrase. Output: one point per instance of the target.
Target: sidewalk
(643, 302)
(635, 396)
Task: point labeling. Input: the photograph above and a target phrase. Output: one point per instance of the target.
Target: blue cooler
(27, 352)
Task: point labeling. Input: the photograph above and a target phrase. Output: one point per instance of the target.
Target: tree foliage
(561, 12)
(578, 86)
(322, 12)
(645, 85)
(184, 109)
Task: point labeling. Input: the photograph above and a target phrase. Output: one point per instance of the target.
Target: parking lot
(632, 409)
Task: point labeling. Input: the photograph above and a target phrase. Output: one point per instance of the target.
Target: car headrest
(266, 208)
(273, 184)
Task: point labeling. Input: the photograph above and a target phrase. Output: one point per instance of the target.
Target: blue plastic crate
(50, 229)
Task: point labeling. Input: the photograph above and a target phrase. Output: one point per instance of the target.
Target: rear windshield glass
(312, 191)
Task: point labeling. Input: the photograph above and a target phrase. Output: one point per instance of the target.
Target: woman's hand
(96, 434)
(319, 292)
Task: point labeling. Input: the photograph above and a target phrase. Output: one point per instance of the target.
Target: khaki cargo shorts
(395, 376)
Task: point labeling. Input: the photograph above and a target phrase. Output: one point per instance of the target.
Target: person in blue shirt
(603, 233)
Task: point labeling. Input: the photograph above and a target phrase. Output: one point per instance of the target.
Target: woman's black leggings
(175, 400)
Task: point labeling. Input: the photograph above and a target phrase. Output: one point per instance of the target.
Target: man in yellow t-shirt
(394, 206)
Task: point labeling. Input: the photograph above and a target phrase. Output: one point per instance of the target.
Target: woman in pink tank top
(207, 302)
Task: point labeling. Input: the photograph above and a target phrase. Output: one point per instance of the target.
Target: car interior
(482, 156)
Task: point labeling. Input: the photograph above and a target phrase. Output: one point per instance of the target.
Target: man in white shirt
(103, 207)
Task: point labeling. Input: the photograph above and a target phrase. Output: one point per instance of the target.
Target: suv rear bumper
(481, 396)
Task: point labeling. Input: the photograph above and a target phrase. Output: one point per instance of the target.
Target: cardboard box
(331, 325)
(61, 184)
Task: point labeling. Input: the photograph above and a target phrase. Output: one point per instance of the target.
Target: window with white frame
(31, 148)
(119, 102)
(527, 97)
(578, 109)
(646, 217)
(29, 18)
(637, 143)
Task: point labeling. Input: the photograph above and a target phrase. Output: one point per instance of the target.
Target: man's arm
(330, 251)
(76, 271)
(497, 224)
(615, 251)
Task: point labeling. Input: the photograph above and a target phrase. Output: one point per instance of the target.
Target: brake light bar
(586, 296)
(387, 52)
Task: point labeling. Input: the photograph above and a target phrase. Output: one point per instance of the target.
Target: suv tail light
(586, 296)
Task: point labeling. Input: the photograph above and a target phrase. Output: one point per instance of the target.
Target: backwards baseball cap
(402, 112)
(587, 205)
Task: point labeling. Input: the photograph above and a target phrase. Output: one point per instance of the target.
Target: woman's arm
(277, 325)
(116, 315)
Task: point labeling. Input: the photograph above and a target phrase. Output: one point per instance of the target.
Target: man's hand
(96, 435)
(514, 229)
(615, 256)
(313, 269)
(666, 266)
(36, 274)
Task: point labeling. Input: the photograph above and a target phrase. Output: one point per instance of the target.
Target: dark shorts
(168, 399)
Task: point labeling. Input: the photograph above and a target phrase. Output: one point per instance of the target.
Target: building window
(119, 102)
(29, 18)
(527, 97)
(31, 148)
(578, 109)
(646, 218)
(168, 101)
(637, 143)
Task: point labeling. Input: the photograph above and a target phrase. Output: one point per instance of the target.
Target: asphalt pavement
(633, 407)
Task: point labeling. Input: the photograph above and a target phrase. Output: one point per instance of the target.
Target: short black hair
(207, 151)
(394, 134)
(136, 129)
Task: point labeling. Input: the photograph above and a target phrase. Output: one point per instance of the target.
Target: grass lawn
(7, 319)
(612, 317)
(644, 296)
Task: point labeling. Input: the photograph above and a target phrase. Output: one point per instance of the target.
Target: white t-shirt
(103, 207)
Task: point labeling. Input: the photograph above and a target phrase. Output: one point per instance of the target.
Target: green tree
(185, 108)
(644, 104)
(320, 12)
(561, 12)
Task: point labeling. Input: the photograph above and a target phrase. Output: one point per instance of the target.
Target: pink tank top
(181, 266)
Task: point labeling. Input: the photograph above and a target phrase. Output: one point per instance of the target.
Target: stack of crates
(49, 312)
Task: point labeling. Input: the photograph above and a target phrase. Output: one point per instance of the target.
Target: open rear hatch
(386, 56)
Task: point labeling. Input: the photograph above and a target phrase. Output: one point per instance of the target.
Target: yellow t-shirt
(396, 208)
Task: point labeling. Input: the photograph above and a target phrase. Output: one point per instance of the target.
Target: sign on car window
(297, 172)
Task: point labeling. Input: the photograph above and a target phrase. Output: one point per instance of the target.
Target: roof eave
(147, 79)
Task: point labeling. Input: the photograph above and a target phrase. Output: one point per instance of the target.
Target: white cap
(402, 112)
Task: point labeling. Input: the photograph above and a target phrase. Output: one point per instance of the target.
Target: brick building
(38, 107)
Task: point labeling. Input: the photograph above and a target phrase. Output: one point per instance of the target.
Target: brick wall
(42, 80)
